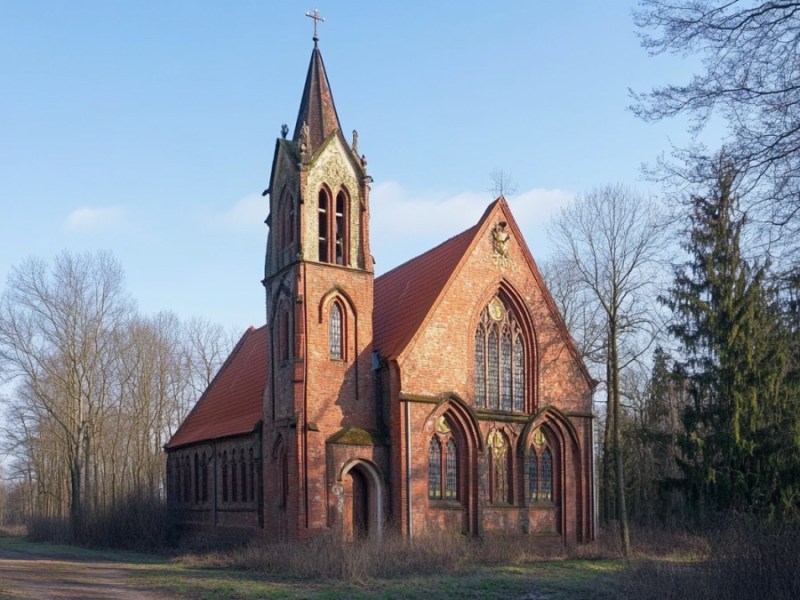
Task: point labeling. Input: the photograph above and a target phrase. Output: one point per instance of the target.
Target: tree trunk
(619, 475)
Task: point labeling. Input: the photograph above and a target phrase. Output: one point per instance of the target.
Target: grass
(738, 562)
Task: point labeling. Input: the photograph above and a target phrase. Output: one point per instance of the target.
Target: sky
(147, 128)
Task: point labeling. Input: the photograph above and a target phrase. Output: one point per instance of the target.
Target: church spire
(317, 115)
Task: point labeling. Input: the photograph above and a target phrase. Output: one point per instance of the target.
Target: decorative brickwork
(445, 395)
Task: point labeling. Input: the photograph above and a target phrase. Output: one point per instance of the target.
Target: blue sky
(148, 128)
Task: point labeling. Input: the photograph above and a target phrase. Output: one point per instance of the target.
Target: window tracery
(540, 470)
(499, 360)
(442, 464)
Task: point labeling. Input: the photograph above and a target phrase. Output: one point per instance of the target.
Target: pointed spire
(317, 110)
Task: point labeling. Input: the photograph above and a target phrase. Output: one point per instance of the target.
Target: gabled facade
(446, 394)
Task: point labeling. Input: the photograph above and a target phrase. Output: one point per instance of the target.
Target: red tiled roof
(405, 295)
(232, 404)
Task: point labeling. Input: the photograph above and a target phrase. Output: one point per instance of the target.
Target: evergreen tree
(738, 447)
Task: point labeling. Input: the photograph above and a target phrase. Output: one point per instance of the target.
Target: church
(444, 395)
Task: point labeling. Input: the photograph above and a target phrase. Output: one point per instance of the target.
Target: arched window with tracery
(540, 470)
(335, 331)
(332, 227)
(442, 464)
(499, 468)
(499, 360)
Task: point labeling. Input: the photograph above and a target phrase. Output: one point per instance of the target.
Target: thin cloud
(248, 213)
(405, 224)
(94, 219)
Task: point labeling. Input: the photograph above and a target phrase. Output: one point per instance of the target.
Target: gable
(426, 309)
(232, 403)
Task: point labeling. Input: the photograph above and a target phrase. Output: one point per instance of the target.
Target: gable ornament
(500, 245)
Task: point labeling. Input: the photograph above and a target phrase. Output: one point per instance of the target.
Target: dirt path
(29, 575)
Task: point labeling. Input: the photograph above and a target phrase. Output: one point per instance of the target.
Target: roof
(316, 106)
(405, 295)
(232, 404)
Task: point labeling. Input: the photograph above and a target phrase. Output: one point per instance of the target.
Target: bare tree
(55, 334)
(611, 238)
(750, 78)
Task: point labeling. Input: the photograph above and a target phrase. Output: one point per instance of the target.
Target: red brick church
(445, 394)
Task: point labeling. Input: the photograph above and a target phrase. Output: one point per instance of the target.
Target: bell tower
(318, 279)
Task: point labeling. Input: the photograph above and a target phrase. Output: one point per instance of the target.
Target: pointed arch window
(340, 234)
(322, 214)
(243, 476)
(540, 470)
(332, 227)
(335, 332)
(234, 479)
(204, 478)
(499, 360)
(443, 464)
(284, 334)
(196, 478)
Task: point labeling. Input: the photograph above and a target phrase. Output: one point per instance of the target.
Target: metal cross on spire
(317, 19)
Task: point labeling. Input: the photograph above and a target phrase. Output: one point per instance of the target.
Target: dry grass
(327, 558)
(744, 560)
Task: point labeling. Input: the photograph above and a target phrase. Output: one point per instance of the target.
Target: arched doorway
(361, 510)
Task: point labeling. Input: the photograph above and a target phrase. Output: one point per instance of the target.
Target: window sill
(445, 504)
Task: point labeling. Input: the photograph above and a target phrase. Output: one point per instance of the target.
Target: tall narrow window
(435, 469)
(234, 478)
(480, 368)
(451, 471)
(243, 476)
(224, 476)
(546, 482)
(204, 478)
(323, 226)
(540, 471)
(492, 371)
(252, 464)
(499, 360)
(196, 478)
(505, 356)
(519, 371)
(187, 480)
(335, 332)
(340, 233)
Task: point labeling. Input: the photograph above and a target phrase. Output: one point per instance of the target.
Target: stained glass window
(451, 471)
(434, 470)
(533, 476)
(480, 366)
(493, 370)
(519, 371)
(335, 331)
(499, 360)
(546, 482)
(506, 370)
